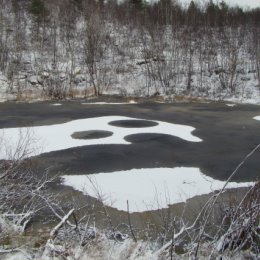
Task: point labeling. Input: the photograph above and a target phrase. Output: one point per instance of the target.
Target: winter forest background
(70, 48)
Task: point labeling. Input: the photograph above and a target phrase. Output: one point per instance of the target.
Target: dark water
(228, 133)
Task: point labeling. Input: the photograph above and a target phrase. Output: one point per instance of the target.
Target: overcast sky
(242, 3)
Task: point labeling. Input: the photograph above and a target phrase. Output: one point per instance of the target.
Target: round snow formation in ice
(147, 189)
(92, 134)
(133, 123)
(43, 139)
(257, 118)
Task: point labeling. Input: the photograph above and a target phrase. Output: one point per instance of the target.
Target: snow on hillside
(129, 61)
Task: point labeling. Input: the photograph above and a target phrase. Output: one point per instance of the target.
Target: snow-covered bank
(247, 92)
(58, 137)
(104, 249)
(147, 189)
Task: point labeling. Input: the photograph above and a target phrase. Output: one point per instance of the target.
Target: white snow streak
(131, 102)
(56, 104)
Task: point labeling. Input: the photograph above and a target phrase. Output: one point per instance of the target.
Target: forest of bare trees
(68, 48)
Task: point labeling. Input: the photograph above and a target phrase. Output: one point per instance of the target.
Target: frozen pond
(152, 155)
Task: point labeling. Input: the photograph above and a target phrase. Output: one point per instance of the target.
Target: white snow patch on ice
(257, 118)
(231, 105)
(58, 137)
(108, 103)
(56, 104)
(147, 189)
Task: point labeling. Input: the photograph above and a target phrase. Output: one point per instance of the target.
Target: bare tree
(94, 48)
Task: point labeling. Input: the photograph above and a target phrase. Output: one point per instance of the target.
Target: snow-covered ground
(246, 91)
(103, 248)
(231, 105)
(56, 104)
(58, 137)
(147, 189)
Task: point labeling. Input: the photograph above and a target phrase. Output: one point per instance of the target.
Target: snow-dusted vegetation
(71, 48)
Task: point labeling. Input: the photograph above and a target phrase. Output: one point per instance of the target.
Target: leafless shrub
(242, 230)
(56, 84)
(23, 193)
